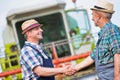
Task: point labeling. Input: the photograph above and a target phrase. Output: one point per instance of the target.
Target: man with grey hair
(106, 54)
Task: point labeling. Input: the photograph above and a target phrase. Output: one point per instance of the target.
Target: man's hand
(70, 70)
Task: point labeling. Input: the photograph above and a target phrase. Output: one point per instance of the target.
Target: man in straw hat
(106, 54)
(34, 60)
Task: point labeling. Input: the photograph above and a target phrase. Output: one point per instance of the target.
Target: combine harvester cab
(68, 31)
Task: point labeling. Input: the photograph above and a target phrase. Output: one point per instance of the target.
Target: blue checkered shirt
(29, 59)
(110, 41)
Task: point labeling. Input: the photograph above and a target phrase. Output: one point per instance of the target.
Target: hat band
(30, 27)
(99, 7)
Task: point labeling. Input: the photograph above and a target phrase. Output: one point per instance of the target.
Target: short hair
(104, 14)
(108, 16)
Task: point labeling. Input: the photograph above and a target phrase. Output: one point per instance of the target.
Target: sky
(6, 5)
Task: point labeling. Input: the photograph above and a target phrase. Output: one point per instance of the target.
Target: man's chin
(41, 38)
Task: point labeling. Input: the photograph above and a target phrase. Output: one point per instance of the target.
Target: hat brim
(107, 11)
(31, 27)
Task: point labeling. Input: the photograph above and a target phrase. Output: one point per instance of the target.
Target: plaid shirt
(29, 59)
(109, 43)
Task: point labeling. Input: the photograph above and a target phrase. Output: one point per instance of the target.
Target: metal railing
(56, 60)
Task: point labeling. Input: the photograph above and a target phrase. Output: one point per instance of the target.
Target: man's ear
(27, 33)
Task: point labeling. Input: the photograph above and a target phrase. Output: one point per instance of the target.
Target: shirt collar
(103, 29)
(38, 47)
(33, 44)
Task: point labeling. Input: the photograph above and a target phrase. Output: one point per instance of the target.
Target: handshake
(68, 70)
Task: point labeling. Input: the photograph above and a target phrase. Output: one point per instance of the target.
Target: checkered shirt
(29, 59)
(110, 41)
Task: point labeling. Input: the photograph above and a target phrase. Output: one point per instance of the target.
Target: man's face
(95, 17)
(35, 33)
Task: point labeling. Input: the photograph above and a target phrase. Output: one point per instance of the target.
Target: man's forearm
(44, 71)
(88, 61)
(117, 67)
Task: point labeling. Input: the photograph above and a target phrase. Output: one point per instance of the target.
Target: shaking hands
(69, 70)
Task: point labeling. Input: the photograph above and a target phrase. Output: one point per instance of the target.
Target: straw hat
(29, 24)
(104, 6)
